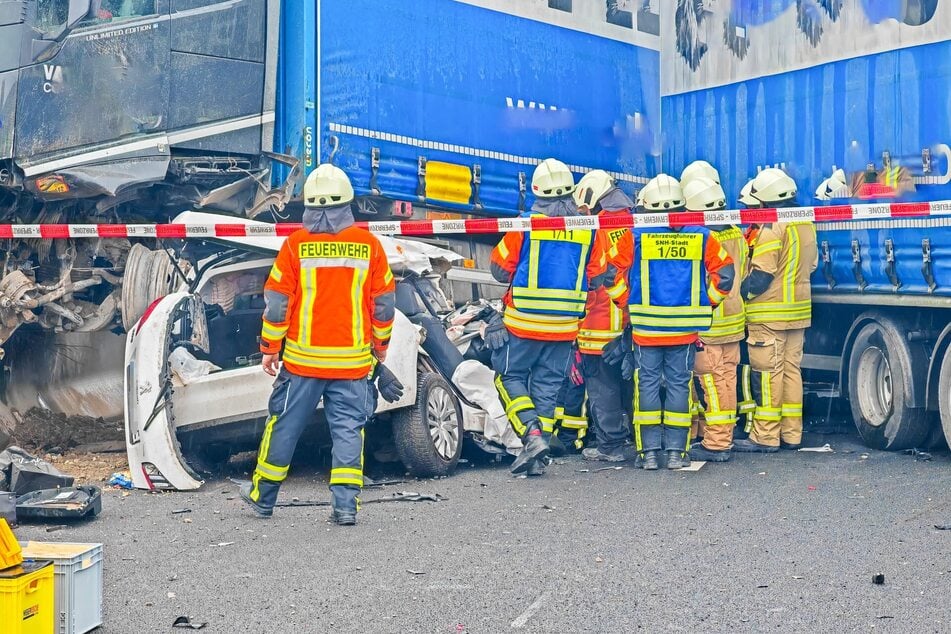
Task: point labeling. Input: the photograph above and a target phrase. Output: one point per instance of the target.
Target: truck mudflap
(155, 459)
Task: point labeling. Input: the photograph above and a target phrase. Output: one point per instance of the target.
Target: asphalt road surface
(786, 542)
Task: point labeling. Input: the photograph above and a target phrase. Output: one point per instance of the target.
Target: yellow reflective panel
(448, 182)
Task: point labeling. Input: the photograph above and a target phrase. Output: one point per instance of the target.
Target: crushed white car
(195, 390)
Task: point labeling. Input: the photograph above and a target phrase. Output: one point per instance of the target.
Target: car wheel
(428, 436)
(880, 375)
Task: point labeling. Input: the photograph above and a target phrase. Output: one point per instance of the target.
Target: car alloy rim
(443, 422)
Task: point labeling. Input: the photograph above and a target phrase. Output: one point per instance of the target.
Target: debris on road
(369, 483)
(120, 481)
(943, 527)
(57, 527)
(415, 572)
(878, 579)
(408, 496)
(22, 472)
(920, 456)
(73, 503)
(826, 448)
(8, 507)
(695, 465)
(185, 623)
(180, 511)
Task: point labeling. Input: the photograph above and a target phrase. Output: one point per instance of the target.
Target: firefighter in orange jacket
(778, 311)
(677, 278)
(609, 392)
(549, 273)
(330, 300)
(717, 361)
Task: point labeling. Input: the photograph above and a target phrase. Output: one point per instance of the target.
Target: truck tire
(428, 436)
(880, 376)
(944, 395)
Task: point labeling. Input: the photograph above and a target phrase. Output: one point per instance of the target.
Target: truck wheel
(880, 376)
(428, 436)
(944, 395)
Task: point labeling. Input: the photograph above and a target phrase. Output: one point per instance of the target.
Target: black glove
(628, 366)
(616, 349)
(496, 335)
(387, 384)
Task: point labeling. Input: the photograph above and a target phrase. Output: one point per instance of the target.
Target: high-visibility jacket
(604, 320)
(676, 280)
(788, 252)
(549, 272)
(729, 318)
(330, 301)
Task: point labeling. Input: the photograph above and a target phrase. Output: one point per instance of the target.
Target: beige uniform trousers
(715, 369)
(776, 362)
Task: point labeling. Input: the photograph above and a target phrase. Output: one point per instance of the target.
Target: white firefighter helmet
(662, 193)
(746, 197)
(772, 186)
(702, 194)
(327, 186)
(592, 187)
(698, 169)
(552, 179)
(832, 187)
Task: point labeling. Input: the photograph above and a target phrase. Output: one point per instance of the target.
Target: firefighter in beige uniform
(778, 311)
(715, 366)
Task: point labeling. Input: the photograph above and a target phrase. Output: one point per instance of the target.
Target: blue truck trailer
(122, 110)
(135, 110)
(850, 97)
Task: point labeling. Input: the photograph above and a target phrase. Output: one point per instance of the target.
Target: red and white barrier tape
(489, 225)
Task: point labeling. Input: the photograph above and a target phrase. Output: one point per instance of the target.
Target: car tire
(428, 436)
(880, 377)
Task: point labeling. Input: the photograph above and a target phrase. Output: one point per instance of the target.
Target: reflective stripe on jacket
(550, 274)
(605, 320)
(330, 301)
(788, 252)
(729, 318)
(676, 279)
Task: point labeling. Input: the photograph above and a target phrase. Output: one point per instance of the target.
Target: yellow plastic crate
(10, 553)
(26, 598)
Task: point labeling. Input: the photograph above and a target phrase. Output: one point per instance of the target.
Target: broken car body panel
(161, 409)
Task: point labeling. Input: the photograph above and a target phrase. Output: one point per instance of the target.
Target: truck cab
(100, 96)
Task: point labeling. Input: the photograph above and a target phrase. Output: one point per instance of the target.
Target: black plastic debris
(186, 623)
(408, 496)
(72, 503)
(943, 527)
(8, 507)
(21, 472)
(878, 579)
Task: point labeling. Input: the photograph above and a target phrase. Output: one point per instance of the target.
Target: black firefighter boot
(648, 461)
(675, 459)
(535, 447)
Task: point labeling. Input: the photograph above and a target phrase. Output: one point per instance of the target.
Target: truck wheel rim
(876, 390)
(443, 422)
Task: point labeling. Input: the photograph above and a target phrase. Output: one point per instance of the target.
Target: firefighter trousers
(571, 422)
(609, 397)
(662, 424)
(529, 375)
(776, 363)
(291, 408)
(716, 376)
